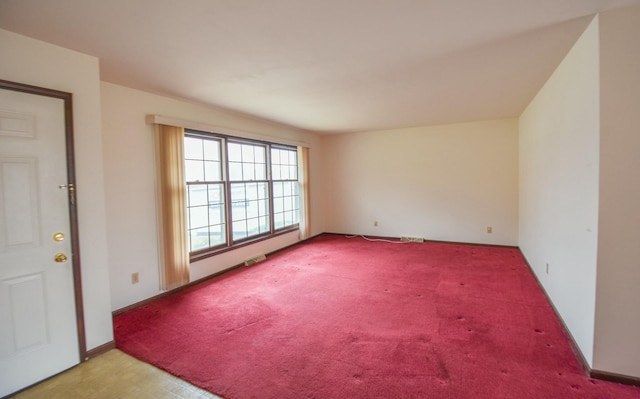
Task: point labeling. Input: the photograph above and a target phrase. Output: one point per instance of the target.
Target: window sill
(216, 251)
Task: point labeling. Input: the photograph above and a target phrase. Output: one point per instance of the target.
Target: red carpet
(347, 318)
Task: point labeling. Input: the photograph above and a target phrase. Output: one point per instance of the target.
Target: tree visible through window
(238, 190)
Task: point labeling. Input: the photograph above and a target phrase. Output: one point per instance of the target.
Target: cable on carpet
(377, 239)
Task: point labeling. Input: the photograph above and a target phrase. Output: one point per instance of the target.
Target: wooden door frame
(67, 98)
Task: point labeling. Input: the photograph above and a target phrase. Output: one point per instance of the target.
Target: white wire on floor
(378, 239)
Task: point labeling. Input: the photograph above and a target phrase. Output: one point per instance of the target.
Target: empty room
(305, 199)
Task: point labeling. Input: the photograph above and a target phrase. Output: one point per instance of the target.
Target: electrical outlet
(489, 229)
(135, 278)
(375, 223)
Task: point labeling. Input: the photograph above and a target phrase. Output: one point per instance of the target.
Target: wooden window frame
(230, 243)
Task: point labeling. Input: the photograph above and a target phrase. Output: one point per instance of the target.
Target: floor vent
(254, 260)
(411, 239)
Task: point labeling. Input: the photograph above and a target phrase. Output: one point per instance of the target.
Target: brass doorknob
(60, 258)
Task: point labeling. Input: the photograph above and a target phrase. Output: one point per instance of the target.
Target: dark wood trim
(67, 99)
(202, 280)
(175, 290)
(473, 244)
(592, 373)
(574, 345)
(73, 225)
(613, 377)
(29, 89)
(425, 240)
(99, 350)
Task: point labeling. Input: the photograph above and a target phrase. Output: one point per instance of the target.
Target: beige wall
(445, 182)
(559, 142)
(617, 335)
(29, 61)
(130, 189)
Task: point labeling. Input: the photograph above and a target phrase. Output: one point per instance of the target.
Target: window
(206, 220)
(249, 189)
(238, 190)
(286, 195)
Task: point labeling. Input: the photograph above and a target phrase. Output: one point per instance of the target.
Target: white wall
(559, 144)
(617, 335)
(130, 188)
(29, 61)
(445, 182)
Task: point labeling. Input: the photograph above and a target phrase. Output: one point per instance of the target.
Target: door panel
(38, 325)
(19, 203)
(24, 303)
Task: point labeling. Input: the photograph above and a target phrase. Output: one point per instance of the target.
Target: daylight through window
(238, 190)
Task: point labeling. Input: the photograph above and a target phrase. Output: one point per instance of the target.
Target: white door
(38, 325)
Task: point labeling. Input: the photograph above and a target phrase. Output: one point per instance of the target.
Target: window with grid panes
(238, 190)
(206, 199)
(286, 195)
(249, 189)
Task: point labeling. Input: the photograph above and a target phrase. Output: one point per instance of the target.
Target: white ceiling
(328, 66)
